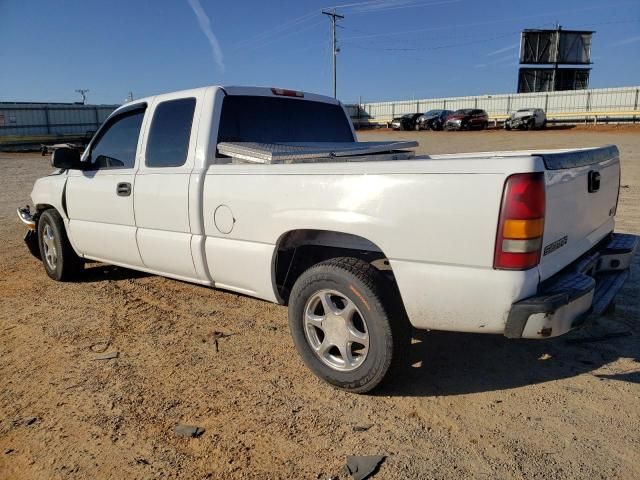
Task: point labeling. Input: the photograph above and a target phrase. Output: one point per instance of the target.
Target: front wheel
(60, 261)
(347, 326)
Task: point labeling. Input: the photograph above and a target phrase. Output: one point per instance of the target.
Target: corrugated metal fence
(36, 121)
(576, 104)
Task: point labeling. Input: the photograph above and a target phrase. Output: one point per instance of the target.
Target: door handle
(123, 189)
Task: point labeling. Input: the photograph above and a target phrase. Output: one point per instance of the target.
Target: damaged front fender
(31, 237)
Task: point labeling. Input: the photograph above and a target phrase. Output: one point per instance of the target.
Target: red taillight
(521, 224)
(287, 93)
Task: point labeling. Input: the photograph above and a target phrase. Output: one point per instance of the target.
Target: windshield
(522, 110)
(464, 111)
(432, 113)
(268, 120)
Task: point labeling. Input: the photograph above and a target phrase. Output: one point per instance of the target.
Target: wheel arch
(41, 207)
(297, 250)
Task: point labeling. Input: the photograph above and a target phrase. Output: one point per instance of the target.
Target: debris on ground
(599, 338)
(217, 336)
(189, 431)
(363, 466)
(362, 428)
(100, 345)
(30, 420)
(107, 356)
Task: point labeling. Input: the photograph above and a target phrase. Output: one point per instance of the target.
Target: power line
(283, 27)
(476, 24)
(284, 35)
(374, 6)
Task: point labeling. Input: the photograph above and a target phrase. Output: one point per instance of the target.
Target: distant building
(35, 122)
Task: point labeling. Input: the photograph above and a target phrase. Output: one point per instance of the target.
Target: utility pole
(334, 18)
(83, 92)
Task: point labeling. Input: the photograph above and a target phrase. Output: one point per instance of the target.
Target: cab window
(117, 143)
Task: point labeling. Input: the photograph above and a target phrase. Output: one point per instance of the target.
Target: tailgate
(581, 199)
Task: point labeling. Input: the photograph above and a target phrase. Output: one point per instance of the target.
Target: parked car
(405, 122)
(467, 119)
(256, 191)
(433, 120)
(526, 118)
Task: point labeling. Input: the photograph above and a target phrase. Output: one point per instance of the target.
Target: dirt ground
(470, 406)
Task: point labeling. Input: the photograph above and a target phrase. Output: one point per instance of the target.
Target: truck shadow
(446, 363)
(99, 272)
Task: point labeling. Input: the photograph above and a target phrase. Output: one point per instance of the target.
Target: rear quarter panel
(436, 225)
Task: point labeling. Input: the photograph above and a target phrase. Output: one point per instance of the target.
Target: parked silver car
(526, 118)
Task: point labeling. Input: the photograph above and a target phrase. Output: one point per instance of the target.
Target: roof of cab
(231, 90)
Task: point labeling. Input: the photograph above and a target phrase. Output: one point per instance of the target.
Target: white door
(100, 200)
(161, 197)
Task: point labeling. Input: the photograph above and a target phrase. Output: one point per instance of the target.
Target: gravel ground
(470, 406)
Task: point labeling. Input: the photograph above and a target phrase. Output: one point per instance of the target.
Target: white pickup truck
(267, 192)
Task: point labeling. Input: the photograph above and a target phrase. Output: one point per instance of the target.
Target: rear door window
(247, 118)
(170, 131)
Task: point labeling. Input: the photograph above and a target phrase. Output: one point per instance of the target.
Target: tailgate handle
(124, 189)
(594, 181)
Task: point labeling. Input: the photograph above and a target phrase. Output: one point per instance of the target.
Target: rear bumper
(582, 290)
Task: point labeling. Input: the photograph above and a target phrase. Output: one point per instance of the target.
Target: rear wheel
(347, 325)
(60, 261)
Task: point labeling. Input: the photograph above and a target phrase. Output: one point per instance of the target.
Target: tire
(377, 318)
(60, 261)
(531, 124)
(417, 127)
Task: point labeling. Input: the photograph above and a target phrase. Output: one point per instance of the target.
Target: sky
(389, 49)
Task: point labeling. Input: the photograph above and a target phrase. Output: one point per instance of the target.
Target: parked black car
(466, 119)
(433, 119)
(405, 122)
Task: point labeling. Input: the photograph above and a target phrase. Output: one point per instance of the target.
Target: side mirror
(67, 159)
